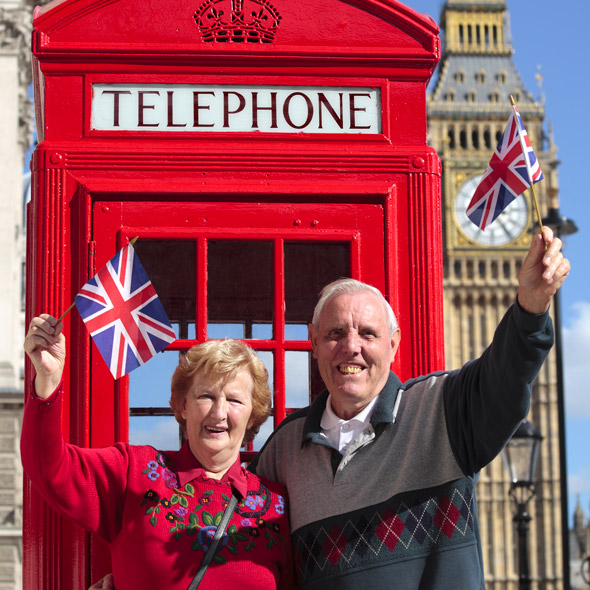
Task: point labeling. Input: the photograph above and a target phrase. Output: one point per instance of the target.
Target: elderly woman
(159, 510)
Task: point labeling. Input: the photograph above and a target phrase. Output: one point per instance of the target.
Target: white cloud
(576, 361)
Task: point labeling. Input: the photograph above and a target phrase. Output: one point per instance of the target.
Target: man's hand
(106, 583)
(543, 272)
(45, 345)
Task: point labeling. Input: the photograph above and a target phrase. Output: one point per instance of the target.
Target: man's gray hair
(351, 287)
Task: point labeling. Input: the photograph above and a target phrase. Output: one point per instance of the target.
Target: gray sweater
(398, 509)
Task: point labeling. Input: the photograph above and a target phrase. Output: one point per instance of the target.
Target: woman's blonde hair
(222, 360)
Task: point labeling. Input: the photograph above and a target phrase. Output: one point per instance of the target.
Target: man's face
(354, 350)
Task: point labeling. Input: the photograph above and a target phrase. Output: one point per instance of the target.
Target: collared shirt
(341, 432)
(188, 468)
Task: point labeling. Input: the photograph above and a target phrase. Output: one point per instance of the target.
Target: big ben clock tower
(467, 112)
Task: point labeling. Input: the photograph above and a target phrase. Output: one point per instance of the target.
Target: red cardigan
(158, 511)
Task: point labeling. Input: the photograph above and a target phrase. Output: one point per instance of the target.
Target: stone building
(16, 124)
(467, 113)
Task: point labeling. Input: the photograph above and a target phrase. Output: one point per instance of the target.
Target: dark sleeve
(486, 400)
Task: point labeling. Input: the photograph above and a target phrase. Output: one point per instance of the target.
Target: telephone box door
(245, 270)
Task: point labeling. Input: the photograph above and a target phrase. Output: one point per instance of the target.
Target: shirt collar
(383, 412)
(330, 419)
(386, 408)
(189, 468)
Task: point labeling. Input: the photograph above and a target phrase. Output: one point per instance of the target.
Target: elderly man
(381, 474)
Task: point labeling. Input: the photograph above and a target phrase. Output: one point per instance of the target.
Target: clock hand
(503, 225)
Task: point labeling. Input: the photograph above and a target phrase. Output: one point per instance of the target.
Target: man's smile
(350, 369)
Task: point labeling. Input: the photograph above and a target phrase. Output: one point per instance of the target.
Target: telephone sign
(268, 109)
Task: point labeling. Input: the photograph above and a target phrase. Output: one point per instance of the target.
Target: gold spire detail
(473, 28)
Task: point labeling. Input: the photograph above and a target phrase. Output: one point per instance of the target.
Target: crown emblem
(237, 21)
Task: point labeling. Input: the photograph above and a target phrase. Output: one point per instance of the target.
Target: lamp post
(520, 459)
(561, 226)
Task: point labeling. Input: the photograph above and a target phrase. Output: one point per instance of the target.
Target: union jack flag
(509, 173)
(123, 314)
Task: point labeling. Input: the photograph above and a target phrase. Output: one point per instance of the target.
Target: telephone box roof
(191, 28)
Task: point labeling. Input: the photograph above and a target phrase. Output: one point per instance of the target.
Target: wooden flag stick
(531, 184)
(67, 311)
(539, 218)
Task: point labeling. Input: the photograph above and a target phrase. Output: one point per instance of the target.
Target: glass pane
(262, 331)
(309, 266)
(221, 331)
(296, 331)
(266, 429)
(267, 359)
(297, 379)
(161, 432)
(240, 283)
(189, 330)
(171, 266)
(149, 385)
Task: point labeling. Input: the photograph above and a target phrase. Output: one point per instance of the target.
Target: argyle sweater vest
(398, 509)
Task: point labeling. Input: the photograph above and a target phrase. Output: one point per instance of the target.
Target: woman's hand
(45, 345)
(106, 583)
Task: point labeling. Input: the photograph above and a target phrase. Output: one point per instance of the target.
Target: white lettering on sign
(269, 109)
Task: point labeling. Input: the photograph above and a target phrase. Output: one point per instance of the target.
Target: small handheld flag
(123, 313)
(512, 169)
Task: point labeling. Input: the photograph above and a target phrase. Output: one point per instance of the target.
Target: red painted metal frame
(334, 223)
(115, 223)
(379, 43)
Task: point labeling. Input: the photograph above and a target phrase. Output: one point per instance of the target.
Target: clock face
(505, 228)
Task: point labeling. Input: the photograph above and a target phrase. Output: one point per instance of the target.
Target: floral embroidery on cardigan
(260, 498)
(202, 522)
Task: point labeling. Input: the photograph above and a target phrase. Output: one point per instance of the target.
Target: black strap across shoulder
(214, 542)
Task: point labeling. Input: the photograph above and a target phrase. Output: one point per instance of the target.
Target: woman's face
(217, 416)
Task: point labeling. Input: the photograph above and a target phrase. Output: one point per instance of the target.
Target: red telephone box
(259, 149)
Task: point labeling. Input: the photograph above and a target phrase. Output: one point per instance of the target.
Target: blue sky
(549, 35)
